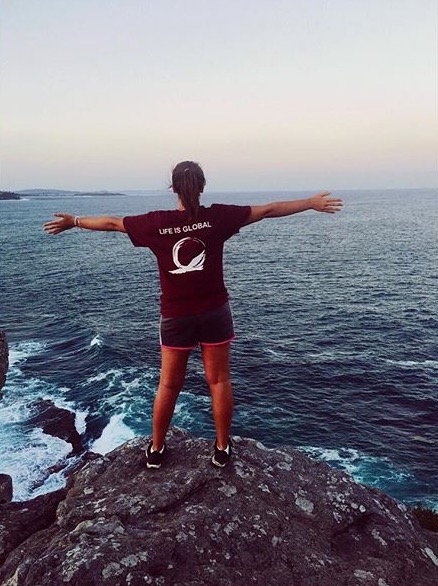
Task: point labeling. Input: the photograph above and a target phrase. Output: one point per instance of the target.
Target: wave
(414, 363)
(96, 341)
(113, 435)
(378, 472)
(363, 467)
(27, 453)
(20, 391)
(27, 458)
(23, 350)
(111, 376)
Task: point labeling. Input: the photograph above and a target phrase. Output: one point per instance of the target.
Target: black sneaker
(221, 457)
(154, 458)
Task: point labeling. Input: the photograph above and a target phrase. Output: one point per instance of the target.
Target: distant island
(60, 193)
(9, 195)
(63, 192)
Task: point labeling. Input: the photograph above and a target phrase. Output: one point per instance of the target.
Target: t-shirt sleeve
(233, 218)
(139, 228)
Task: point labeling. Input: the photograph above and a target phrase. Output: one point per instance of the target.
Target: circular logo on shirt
(188, 255)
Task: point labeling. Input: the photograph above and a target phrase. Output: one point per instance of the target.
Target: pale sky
(265, 94)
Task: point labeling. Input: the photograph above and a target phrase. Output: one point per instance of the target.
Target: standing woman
(188, 244)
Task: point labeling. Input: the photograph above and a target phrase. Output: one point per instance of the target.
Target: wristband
(77, 222)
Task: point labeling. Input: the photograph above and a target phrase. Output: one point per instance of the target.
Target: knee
(170, 388)
(217, 378)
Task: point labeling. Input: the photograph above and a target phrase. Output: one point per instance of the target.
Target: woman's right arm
(318, 202)
(68, 221)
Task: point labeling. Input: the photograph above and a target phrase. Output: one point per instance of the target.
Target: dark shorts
(210, 329)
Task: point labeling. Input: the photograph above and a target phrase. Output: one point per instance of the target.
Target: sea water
(336, 320)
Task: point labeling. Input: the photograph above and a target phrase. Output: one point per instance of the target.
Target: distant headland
(9, 195)
(56, 192)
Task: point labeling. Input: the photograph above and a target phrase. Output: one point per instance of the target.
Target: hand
(321, 203)
(65, 222)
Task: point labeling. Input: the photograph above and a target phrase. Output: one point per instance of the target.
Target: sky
(265, 94)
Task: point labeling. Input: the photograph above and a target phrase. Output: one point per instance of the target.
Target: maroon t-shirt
(189, 254)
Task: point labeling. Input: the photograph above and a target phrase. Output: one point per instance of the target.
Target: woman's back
(189, 253)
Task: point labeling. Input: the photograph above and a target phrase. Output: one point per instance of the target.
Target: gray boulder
(271, 518)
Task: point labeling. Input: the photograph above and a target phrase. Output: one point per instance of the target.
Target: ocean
(336, 320)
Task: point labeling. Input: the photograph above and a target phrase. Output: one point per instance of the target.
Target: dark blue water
(336, 317)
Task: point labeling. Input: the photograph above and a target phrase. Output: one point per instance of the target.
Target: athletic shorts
(209, 329)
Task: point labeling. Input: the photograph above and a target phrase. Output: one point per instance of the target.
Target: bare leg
(217, 372)
(173, 373)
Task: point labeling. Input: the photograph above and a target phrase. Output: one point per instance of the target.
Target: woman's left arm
(68, 221)
(277, 209)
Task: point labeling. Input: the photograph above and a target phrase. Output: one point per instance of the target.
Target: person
(188, 244)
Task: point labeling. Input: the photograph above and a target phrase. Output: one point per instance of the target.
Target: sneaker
(154, 457)
(221, 457)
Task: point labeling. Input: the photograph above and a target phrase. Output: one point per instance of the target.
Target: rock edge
(272, 517)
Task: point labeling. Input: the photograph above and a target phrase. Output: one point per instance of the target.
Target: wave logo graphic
(196, 263)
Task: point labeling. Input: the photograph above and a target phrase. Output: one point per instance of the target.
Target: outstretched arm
(67, 221)
(318, 202)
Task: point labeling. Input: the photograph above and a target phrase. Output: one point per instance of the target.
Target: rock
(18, 521)
(5, 479)
(4, 195)
(271, 518)
(57, 422)
(5, 488)
(4, 359)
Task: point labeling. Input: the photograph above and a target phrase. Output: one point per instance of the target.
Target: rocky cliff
(272, 518)
(4, 359)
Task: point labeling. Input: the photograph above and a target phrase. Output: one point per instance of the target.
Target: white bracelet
(77, 222)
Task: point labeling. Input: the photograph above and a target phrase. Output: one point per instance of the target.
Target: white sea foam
(339, 356)
(276, 353)
(27, 453)
(363, 467)
(19, 393)
(190, 408)
(16, 404)
(425, 440)
(96, 341)
(127, 390)
(27, 458)
(414, 363)
(114, 434)
(123, 389)
(348, 459)
(23, 350)
(80, 422)
(112, 375)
